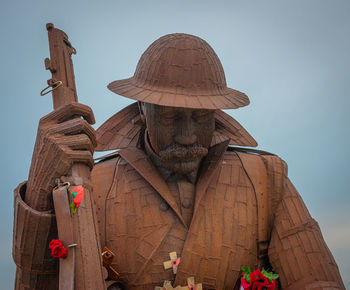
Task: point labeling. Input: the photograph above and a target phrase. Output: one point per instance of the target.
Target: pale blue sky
(292, 58)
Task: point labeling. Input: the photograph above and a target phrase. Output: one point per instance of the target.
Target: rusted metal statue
(174, 188)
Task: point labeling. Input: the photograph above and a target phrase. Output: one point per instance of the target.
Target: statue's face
(181, 137)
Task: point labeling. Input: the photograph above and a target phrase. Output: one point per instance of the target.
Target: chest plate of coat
(142, 229)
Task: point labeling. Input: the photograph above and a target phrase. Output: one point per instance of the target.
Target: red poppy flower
(258, 281)
(258, 277)
(78, 194)
(244, 283)
(272, 286)
(55, 243)
(176, 263)
(57, 249)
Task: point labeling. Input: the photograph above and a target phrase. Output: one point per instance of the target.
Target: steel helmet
(180, 70)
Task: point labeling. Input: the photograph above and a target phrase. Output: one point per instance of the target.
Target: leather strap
(256, 171)
(66, 235)
(267, 174)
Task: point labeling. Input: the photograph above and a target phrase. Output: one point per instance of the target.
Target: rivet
(163, 206)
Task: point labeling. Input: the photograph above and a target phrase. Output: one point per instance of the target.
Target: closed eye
(167, 116)
(202, 115)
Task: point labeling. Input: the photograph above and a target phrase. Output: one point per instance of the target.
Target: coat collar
(124, 128)
(138, 159)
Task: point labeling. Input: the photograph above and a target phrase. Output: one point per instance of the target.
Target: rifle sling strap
(266, 174)
(65, 233)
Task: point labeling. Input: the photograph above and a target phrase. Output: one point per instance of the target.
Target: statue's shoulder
(251, 151)
(106, 164)
(111, 157)
(250, 157)
(104, 172)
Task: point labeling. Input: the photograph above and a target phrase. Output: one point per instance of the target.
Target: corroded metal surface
(173, 186)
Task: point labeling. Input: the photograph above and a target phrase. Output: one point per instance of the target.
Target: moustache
(177, 151)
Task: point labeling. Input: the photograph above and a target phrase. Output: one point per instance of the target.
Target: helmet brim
(226, 98)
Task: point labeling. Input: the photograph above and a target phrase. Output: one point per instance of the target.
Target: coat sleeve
(297, 251)
(33, 230)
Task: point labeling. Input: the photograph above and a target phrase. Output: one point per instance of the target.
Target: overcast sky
(292, 58)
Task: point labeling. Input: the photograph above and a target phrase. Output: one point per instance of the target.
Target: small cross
(191, 285)
(167, 286)
(172, 263)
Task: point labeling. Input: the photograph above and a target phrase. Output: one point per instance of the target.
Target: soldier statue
(181, 182)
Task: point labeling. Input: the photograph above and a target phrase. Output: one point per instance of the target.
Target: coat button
(163, 206)
(186, 203)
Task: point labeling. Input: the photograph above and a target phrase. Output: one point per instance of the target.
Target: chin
(183, 166)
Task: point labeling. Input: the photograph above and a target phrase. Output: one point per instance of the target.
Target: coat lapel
(210, 163)
(141, 163)
(209, 167)
(139, 160)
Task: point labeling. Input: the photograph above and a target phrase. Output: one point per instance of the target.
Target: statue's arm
(33, 230)
(63, 138)
(298, 252)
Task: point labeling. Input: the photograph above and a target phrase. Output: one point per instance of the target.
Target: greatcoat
(140, 220)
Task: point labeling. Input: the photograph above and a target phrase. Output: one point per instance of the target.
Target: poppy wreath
(57, 249)
(258, 280)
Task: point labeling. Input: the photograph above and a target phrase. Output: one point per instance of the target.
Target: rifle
(82, 269)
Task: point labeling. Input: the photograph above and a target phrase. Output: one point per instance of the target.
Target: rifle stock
(87, 262)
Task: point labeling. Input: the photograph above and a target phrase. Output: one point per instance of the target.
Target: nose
(185, 130)
(186, 140)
